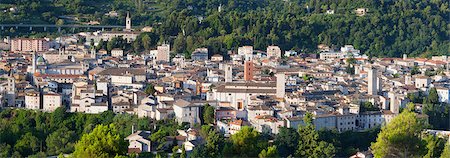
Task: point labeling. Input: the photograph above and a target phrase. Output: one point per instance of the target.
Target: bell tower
(128, 22)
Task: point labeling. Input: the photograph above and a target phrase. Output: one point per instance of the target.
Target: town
(341, 88)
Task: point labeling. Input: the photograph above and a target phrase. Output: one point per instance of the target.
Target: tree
(400, 137)
(208, 114)
(27, 145)
(214, 143)
(286, 141)
(112, 43)
(136, 46)
(271, 152)
(183, 152)
(446, 152)
(6, 149)
(434, 146)
(60, 141)
(309, 144)
(150, 89)
(146, 42)
(415, 70)
(432, 97)
(103, 141)
(245, 142)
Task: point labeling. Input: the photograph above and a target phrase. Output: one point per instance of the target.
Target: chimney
(405, 56)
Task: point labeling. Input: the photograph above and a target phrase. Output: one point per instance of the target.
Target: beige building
(273, 51)
(117, 52)
(28, 45)
(163, 53)
(51, 101)
(32, 100)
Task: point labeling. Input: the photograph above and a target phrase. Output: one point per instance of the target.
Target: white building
(32, 100)
(117, 52)
(139, 142)
(444, 94)
(186, 112)
(372, 81)
(51, 101)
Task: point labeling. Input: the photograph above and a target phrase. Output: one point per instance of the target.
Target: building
(422, 82)
(28, 45)
(273, 51)
(32, 100)
(139, 142)
(51, 101)
(228, 72)
(281, 85)
(217, 58)
(246, 52)
(372, 82)
(444, 94)
(248, 70)
(238, 95)
(200, 54)
(163, 53)
(128, 22)
(330, 55)
(117, 52)
(186, 112)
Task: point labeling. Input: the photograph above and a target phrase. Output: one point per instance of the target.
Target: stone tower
(128, 22)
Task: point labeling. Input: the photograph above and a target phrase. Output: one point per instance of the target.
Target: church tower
(128, 22)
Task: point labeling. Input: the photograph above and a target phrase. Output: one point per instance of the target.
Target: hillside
(389, 28)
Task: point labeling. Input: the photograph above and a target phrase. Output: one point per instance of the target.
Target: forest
(28, 133)
(388, 29)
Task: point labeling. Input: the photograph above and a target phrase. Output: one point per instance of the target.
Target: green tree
(150, 89)
(6, 149)
(208, 114)
(214, 143)
(27, 145)
(432, 97)
(271, 152)
(446, 152)
(245, 142)
(309, 144)
(400, 137)
(60, 141)
(183, 152)
(146, 42)
(286, 141)
(103, 141)
(434, 146)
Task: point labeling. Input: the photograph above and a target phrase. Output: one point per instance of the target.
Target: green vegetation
(402, 137)
(103, 141)
(438, 113)
(309, 144)
(390, 28)
(26, 133)
(208, 114)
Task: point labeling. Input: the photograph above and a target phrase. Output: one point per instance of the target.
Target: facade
(273, 51)
(32, 100)
(200, 54)
(248, 70)
(163, 53)
(186, 112)
(51, 101)
(444, 94)
(372, 82)
(28, 45)
(139, 142)
(117, 53)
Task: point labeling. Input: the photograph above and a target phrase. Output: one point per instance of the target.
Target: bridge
(45, 26)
